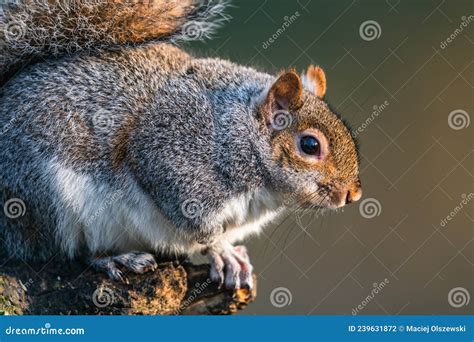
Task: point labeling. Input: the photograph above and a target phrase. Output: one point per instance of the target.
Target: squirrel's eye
(310, 145)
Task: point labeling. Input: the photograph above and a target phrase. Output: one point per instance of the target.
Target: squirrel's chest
(248, 213)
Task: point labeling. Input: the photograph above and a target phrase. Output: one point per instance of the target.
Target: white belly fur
(127, 219)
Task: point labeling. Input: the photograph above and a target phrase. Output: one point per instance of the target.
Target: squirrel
(117, 145)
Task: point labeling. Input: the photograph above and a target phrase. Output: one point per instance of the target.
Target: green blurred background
(416, 159)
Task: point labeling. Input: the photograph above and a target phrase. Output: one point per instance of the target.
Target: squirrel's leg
(114, 266)
(230, 266)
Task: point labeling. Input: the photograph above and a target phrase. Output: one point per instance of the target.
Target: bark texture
(58, 288)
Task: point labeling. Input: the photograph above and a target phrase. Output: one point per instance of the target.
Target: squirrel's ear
(315, 80)
(284, 93)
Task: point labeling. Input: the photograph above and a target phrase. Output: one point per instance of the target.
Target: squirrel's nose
(353, 195)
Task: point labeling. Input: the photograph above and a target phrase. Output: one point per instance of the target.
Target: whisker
(292, 228)
(308, 197)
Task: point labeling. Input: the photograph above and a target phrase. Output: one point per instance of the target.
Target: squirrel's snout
(348, 196)
(353, 195)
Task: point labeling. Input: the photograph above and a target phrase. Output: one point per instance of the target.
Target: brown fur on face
(336, 175)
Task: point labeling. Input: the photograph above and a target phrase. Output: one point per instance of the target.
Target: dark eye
(310, 145)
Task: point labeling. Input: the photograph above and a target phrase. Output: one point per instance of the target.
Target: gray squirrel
(116, 145)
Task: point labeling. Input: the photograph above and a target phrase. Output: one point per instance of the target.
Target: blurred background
(401, 73)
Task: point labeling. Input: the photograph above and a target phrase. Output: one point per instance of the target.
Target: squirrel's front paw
(137, 262)
(230, 266)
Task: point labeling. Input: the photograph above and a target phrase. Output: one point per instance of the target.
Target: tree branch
(175, 288)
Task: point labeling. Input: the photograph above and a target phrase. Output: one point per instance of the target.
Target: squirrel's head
(314, 160)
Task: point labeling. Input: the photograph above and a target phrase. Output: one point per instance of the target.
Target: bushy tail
(32, 29)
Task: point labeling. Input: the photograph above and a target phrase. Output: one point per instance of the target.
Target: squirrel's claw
(230, 266)
(246, 279)
(217, 267)
(136, 262)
